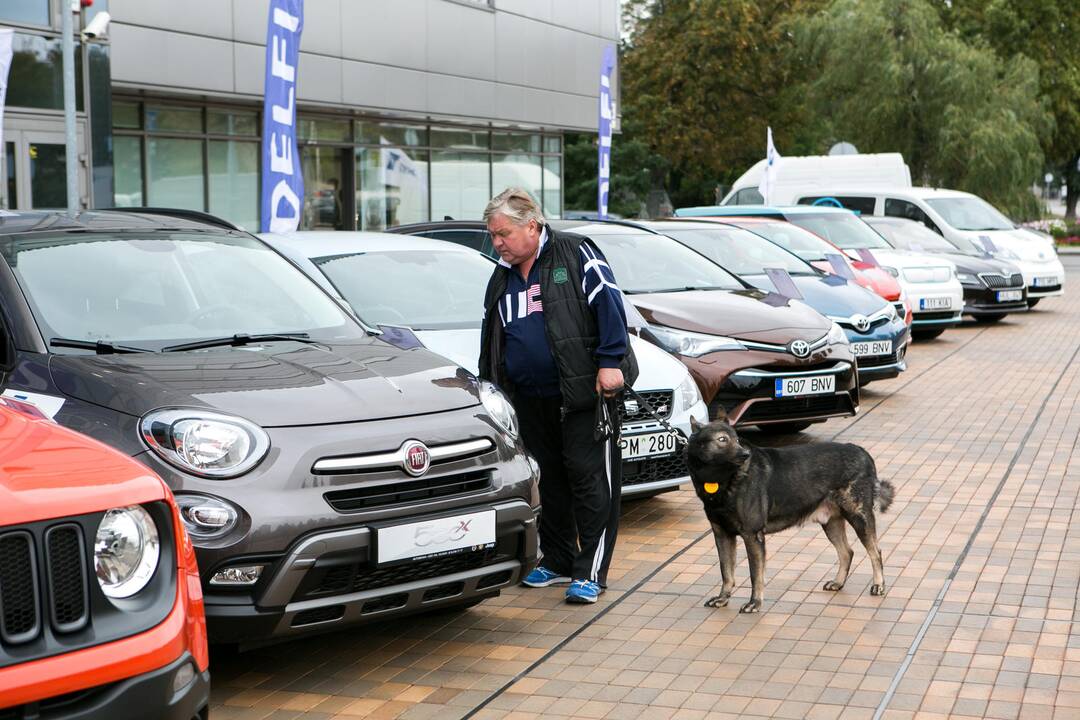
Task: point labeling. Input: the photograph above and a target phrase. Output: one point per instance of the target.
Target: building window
(25, 12)
(36, 77)
(175, 175)
(234, 182)
(127, 164)
(460, 185)
(392, 186)
(323, 169)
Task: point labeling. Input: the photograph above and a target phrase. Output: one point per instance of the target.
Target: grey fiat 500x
(326, 476)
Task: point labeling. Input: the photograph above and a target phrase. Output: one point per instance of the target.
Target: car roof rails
(182, 214)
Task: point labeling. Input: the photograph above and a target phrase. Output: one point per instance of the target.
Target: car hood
(657, 370)
(1024, 245)
(829, 294)
(901, 259)
(745, 314)
(974, 264)
(273, 385)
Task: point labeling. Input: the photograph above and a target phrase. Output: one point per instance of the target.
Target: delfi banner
(607, 114)
(282, 182)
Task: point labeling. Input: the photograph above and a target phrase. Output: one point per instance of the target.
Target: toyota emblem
(799, 348)
(417, 458)
(861, 322)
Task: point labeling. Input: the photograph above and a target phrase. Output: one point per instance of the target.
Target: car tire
(784, 428)
(1032, 302)
(988, 319)
(926, 334)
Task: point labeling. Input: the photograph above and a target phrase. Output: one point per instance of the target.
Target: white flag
(772, 165)
(7, 35)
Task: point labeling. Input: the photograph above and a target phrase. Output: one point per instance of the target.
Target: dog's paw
(751, 607)
(833, 586)
(718, 601)
(877, 589)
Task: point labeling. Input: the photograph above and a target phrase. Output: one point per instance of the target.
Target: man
(554, 337)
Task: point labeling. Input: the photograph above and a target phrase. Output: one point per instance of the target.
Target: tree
(701, 80)
(891, 77)
(1045, 31)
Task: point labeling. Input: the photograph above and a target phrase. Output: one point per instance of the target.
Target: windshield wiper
(101, 347)
(237, 340)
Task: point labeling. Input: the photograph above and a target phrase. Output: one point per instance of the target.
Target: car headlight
(890, 311)
(687, 394)
(126, 551)
(967, 279)
(499, 408)
(205, 443)
(891, 270)
(692, 344)
(205, 517)
(837, 335)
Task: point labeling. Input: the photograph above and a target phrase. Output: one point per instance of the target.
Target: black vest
(570, 323)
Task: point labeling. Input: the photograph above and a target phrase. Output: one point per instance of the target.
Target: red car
(813, 249)
(101, 610)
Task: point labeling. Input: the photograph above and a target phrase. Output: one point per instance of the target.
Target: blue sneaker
(583, 591)
(542, 577)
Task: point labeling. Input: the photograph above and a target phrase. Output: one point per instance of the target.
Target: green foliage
(889, 76)
(634, 171)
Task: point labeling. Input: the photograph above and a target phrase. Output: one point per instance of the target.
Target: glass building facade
(359, 173)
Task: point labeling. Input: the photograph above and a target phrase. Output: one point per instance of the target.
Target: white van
(960, 218)
(801, 175)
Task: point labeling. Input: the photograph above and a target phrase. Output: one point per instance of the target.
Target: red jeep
(101, 610)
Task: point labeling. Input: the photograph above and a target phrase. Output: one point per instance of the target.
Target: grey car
(326, 476)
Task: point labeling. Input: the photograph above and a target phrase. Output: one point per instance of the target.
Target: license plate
(810, 385)
(935, 303)
(871, 349)
(1009, 295)
(648, 445)
(1046, 281)
(433, 538)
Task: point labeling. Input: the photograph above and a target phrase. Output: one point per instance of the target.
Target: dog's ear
(694, 424)
(721, 414)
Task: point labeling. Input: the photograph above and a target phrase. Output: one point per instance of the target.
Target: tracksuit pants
(580, 486)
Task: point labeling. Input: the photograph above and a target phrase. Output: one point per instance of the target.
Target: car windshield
(911, 235)
(793, 238)
(425, 290)
(655, 263)
(153, 290)
(842, 229)
(739, 251)
(969, 213)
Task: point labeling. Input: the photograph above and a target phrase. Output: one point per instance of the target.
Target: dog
(749, 492)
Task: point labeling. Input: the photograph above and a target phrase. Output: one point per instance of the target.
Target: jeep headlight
(692, 344)
(687, 394)
(837, 335)
(205, 443)
(126, 551)
(499, 408)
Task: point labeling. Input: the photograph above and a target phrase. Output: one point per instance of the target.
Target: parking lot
(982, 558)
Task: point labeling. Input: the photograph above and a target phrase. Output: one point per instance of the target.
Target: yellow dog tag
(711, 488)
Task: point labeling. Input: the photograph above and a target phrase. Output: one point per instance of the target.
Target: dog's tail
(885, 495)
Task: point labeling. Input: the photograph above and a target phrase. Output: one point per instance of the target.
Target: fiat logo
(799, 348)
(417, 458)
(861, 323)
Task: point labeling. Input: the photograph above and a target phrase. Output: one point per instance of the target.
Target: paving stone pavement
(982, 558)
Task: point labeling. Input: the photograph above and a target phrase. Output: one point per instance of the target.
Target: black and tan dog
(749, 492)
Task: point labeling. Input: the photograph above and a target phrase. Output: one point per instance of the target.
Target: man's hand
(609, 381)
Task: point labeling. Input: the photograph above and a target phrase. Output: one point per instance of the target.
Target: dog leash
(679, 439)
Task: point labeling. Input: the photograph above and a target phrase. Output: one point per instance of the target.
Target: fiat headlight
(499, 408)
(205, 443)
(687, 394)
(126, 551)
(837, 335)
(692, 344)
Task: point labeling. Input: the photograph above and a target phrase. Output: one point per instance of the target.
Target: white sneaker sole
(547, 583)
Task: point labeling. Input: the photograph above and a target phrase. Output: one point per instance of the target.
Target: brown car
(764, 359)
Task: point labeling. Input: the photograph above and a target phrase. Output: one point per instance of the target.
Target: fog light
(239, 575)
(206, 517)
(183, 677)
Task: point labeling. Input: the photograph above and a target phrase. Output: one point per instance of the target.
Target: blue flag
(282, 183)
(606, 116)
